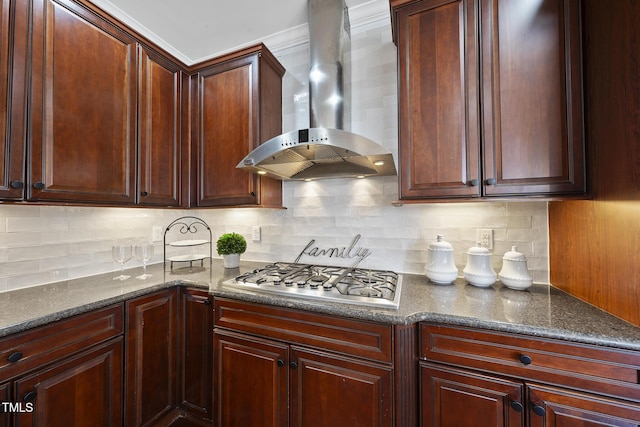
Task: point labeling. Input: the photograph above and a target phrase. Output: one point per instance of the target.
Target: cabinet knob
(16, 184)
(517, 406)
(144, 193)
(14, 357)
(473, 182)
(539, 410)
(524, 359)
(31, 396)
(280, 363)
(253, 194)
(491, 181)
(38, 185)
(207, 302)
(293, 365)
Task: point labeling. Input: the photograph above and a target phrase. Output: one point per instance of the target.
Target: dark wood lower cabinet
(251, 381)
(151, 366)
(85, 390)
(281, 367)
(471, 377)
(269, 383)
(329, 390)
(196, 353)
(456, 398)
(4, 397)
(556, 407)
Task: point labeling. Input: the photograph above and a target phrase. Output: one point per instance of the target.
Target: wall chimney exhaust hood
(325, 150)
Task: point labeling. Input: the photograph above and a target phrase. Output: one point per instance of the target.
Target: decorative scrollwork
(188, 225)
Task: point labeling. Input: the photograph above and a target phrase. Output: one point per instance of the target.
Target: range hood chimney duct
(326, 149)
(329, 43)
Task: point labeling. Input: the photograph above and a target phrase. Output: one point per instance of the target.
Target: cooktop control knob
(301, 283)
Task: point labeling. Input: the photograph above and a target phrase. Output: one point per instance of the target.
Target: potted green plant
(230, 246)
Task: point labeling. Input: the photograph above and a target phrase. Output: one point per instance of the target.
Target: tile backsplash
(42, 244)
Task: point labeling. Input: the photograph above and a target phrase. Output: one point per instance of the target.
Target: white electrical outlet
(485, 237)
(256, 233)
(156, 233)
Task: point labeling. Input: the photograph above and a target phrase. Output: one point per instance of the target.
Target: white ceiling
(196, 30)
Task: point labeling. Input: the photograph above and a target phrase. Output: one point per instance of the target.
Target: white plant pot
(231, 260)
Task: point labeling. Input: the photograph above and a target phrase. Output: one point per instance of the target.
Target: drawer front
(27, 350)
(352, 337)
(585, 367)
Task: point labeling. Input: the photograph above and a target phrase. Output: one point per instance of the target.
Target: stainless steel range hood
(325, 150)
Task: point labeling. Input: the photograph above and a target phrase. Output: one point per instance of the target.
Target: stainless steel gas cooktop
(374, 288)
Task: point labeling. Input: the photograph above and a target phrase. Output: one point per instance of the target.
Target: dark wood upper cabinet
(237, 107)
(490, 98)
(533, 141)
(159, 132)
(5, 35)
(114, 120)
(438, 99)
(13, 79)
(83, 107)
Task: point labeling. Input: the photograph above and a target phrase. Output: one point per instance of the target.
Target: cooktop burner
(375, 288)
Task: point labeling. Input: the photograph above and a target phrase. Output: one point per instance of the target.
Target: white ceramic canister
(514, 273)
(440, 267)
(478, 270)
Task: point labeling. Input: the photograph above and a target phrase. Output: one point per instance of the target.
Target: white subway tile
(331, 211)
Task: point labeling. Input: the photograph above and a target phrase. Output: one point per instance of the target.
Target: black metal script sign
(345, 252)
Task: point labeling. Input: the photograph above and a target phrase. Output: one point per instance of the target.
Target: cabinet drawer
(22, 352)
(353, 337)
(602, 370)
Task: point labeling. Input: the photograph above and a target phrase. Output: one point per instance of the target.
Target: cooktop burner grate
(375, 288)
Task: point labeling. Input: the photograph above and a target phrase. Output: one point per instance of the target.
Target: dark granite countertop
(541, 310)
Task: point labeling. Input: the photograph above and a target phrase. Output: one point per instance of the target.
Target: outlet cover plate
(485, 237)
(256, 233)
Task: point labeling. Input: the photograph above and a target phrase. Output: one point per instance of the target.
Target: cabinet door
(327, 390)
(251, 381)
(160, 113)
(83, 111)
(150, 384)
(438, 99)
(196, 353)
(455, 398)
(13, 57)
(532, 97)
(554, 407)
(4, 397)
(227, 123)
(85, 390)
(5, 73)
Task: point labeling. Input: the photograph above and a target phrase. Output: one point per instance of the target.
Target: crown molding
(366, 15)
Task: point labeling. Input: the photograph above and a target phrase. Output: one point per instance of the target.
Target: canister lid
(514, 255)
(478, 249)
(440, 244)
